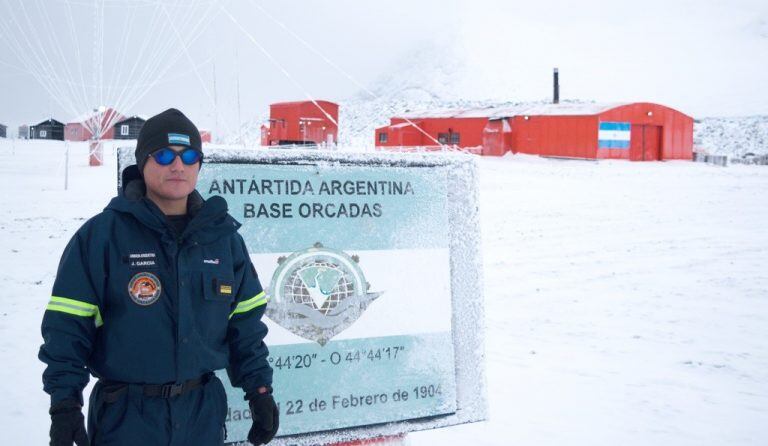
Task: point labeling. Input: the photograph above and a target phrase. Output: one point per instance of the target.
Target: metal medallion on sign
(318, 292)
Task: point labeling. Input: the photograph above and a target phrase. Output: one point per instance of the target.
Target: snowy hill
(734, 137)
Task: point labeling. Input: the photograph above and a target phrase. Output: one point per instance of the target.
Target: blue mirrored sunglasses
(166, 156)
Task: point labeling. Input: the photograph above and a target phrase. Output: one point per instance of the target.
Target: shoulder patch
(144, 289)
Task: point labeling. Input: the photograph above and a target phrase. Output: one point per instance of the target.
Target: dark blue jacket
(135, 302)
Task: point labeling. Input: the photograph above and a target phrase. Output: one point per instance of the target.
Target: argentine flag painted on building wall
(613, 135)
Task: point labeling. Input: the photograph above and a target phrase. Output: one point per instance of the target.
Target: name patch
(141, 260)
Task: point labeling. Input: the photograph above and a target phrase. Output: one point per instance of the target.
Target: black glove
(68, 424)
(266, 418)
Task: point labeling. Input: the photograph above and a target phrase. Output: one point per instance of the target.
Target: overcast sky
(705, 58)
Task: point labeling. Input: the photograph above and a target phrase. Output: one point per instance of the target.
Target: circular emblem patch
(144, 288)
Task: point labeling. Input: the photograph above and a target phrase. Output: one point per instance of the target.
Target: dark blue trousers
(195, 418)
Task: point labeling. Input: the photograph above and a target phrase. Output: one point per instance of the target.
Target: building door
(493, 138)
(645, 143)
(651, 142)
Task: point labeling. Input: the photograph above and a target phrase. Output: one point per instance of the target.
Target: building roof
(46, 121)
(402, 125)
(93, 115)
(521, 109)
(128, 118)
(302, 102)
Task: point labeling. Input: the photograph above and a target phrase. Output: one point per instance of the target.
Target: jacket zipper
(178, 304)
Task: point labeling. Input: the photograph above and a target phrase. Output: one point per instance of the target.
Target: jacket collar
(209, 218)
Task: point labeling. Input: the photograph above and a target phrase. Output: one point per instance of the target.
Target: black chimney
(556, 96)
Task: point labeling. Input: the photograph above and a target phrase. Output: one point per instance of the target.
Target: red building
(301, 123)
(83, 127)
(443, 128)
(635, 131)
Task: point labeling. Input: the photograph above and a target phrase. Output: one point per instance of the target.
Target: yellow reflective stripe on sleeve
(248, 305)
(75, 307)
(72, 306)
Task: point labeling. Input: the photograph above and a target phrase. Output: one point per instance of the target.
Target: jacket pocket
(218, 287)
(217, 304)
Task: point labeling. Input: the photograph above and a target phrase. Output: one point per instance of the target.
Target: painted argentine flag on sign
(613, 135)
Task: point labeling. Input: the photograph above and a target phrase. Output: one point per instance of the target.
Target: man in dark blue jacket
(151, 296)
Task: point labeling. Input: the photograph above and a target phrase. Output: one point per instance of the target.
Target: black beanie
(169, 128)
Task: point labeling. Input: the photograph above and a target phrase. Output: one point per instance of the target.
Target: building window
(383, 137)
(448, 138)
(43, 133)
(124, 129)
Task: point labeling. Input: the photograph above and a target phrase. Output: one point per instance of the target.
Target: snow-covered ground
(627, 303)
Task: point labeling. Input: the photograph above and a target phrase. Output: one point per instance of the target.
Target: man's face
(172, 182)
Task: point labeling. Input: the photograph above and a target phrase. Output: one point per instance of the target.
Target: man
(151, 296)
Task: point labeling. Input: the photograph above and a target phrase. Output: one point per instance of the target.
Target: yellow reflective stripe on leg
(248, 305)
(75, 307)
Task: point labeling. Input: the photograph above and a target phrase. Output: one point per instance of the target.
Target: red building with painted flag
(635, 131)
